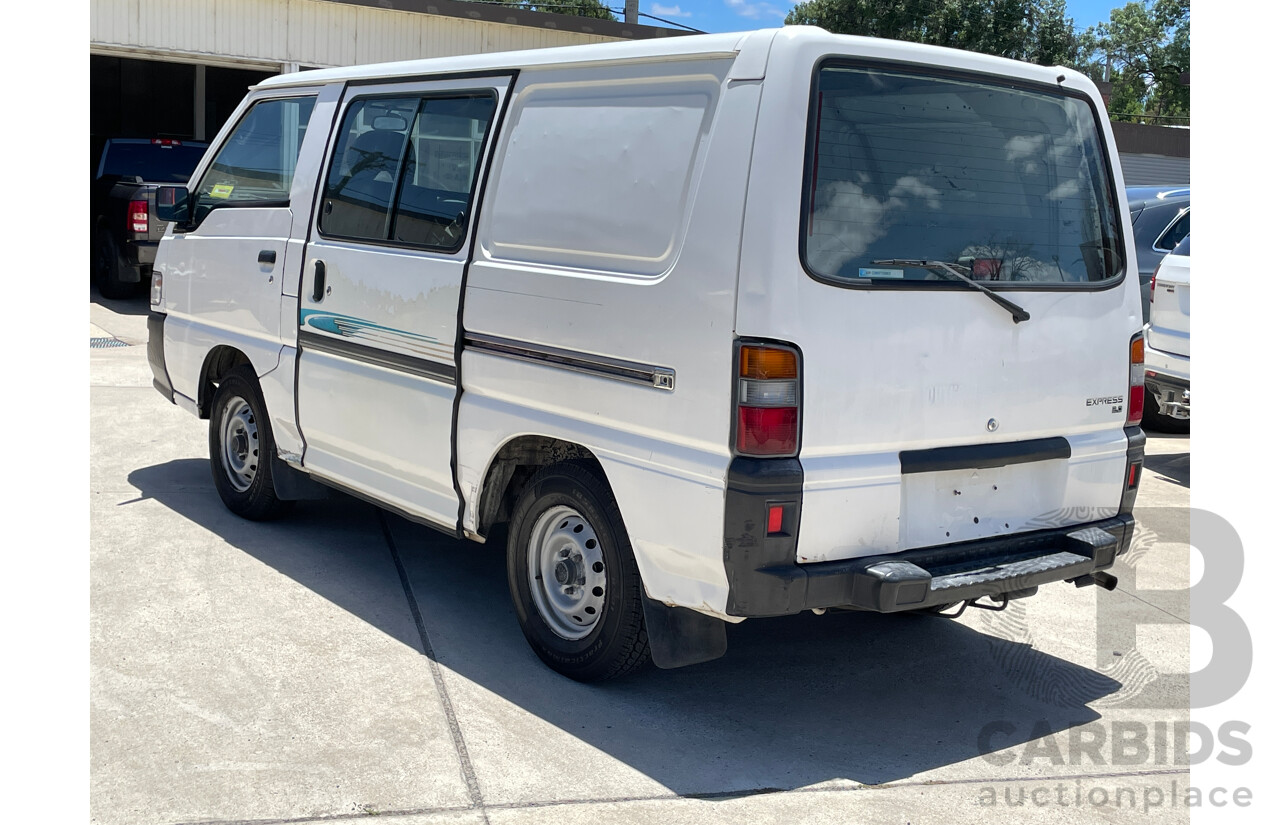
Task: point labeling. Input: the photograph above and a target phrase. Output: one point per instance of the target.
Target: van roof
(702, 45)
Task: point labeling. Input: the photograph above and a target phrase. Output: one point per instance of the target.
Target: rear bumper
(765, 579)
(140, 253)
(155, 355)
(934, 576)
(1168, 378)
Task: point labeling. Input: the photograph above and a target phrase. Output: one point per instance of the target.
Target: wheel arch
(220, 360)
(514, 463)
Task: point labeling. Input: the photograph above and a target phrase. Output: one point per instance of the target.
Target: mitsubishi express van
(720, 327)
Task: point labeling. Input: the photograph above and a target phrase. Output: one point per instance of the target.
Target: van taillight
(138, 216)
(767, 420)
(1137, 390)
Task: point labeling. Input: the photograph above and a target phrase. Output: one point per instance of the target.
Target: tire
(573, 579)
(241, 447)
(1155, 422)
(107, 268)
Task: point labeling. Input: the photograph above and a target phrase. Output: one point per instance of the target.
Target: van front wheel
(241, 447)
(573, 579)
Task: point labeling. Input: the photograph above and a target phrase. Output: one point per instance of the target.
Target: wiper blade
(1019, 314)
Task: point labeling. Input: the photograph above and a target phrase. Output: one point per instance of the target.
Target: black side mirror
(173, 203)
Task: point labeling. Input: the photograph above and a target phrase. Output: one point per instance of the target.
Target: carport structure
(167, 69)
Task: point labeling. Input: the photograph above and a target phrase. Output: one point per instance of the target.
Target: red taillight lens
(766, 431)
(1137, 369)
(768, 414)
(138, 216)
(1137, 395)
(1151, 296)
(775, 519)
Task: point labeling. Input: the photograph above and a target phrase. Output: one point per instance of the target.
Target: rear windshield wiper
(954, 270)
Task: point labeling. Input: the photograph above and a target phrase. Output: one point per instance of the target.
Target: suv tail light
(138, 216)
(1151, 297)
(767, 418)
(1137, 388)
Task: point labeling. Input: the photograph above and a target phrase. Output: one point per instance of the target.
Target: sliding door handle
(317, 291)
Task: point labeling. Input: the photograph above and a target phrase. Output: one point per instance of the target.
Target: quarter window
(255, 165)
(404, 170)
(1178, 230)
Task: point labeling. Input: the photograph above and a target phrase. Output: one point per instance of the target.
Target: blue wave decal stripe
(347, 326)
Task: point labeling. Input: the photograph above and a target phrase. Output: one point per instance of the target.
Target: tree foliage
(1148, 46)
(1148, 42)
(1037, 31)
(577, 8)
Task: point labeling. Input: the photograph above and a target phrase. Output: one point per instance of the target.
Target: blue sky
(740, 15)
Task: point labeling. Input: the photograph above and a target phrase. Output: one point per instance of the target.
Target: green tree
(1037, 31)
(1148, 46)
(577, 8)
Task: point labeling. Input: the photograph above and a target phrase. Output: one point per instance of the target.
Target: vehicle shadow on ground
(136, 304)
(796, 701)
(1172, 467)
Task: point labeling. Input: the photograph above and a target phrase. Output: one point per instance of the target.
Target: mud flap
(679, 636)
(295, 485)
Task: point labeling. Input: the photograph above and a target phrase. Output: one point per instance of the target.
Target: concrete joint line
(455, 731)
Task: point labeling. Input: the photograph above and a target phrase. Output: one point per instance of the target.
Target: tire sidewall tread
(259, 502)
(618, 644)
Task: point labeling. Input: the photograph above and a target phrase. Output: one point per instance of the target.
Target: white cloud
(668, 11)
(755, 11)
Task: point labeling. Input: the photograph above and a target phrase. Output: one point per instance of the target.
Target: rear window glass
(1183, 247)
(1006, 183)
(153, 162)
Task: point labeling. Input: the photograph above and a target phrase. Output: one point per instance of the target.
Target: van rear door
(960, 301)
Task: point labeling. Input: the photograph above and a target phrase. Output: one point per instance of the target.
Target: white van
(720, 327)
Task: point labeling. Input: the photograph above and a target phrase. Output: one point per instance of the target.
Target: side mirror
(173, 203)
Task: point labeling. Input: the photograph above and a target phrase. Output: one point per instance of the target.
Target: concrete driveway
(343, 662)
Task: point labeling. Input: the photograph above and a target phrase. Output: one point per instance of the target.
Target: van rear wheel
(241, 447)
(573, 579)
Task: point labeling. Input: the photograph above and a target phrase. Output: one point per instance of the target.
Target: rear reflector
(775, 519)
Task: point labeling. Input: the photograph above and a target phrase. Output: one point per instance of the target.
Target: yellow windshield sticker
(221, 190)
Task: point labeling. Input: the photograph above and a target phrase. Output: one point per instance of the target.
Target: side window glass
(365, 167)
(404, 169)
(440, 172)
(1175, 233)
(257, 162)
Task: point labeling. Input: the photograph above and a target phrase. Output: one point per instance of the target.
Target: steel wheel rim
(566, 572)
(239, 443)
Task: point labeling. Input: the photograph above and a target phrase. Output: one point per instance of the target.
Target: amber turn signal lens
(1137, 354)
(766, 363)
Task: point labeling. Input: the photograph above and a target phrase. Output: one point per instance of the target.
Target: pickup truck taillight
(1137, 388)
(138, 216)
(767, 418)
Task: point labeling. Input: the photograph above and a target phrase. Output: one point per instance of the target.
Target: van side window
(404, 170)
(255, 165)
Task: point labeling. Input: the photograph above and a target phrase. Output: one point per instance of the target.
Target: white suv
(1168, 377)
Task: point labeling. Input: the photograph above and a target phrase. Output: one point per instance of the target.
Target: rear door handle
(317, 291)
(267, 256)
